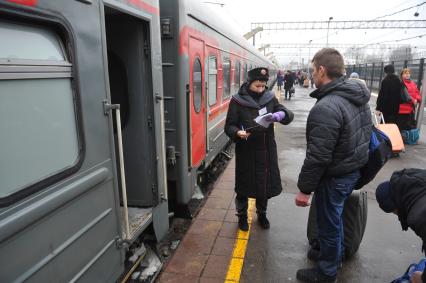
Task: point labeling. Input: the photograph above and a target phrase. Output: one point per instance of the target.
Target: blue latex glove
(276, 117)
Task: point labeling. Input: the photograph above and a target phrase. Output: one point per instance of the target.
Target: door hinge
(149, 119)
(158, 97)
(108, 106)
(121, 243)
(146, 48)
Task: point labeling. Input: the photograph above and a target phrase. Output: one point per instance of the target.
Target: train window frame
(197, 96)
(245, 70)
(15, 71)
(226, 78)
(237, 74)
(212, 76)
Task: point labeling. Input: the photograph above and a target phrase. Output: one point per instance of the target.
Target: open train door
(197, 102)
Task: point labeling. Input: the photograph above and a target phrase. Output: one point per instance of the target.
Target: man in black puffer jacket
(405, 195)
(338, 134)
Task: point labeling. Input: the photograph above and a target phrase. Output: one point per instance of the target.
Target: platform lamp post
(263, 48)
(309, 58)
(252, 33)
(328, 28)
(269, 55)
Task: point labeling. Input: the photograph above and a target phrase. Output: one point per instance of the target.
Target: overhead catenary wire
(403, 10)
(394, 40)
(384, 16)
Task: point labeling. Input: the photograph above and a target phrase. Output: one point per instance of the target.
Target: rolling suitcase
(354, 222)
(392, 131)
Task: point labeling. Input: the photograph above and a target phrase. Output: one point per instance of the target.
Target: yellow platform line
(236, 264)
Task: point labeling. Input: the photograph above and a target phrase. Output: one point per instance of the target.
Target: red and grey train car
(204, 64)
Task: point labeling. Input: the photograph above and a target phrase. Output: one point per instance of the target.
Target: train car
(68, 70)
(204, 64)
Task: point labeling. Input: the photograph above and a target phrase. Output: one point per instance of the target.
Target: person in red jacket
(405, 119)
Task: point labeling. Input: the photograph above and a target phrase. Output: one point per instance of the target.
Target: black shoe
(313, 275)
(313, 254)
(263, 221)
(242, 223)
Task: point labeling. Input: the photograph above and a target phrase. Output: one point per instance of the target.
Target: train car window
(40, 139)
(226, 67)
(212, 84)
(197, 85)
(44, 44)
(237, 75)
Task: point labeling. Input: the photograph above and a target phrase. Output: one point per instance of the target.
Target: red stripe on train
(216, 111)
(187, 32)
(145, 6)
(30, 3)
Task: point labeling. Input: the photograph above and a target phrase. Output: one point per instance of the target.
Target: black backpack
(380, 150)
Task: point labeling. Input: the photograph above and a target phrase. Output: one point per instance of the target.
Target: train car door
(197, 101)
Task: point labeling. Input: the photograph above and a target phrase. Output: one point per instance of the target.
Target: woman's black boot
(242, 223)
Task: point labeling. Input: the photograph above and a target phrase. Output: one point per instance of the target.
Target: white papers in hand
(264, 120)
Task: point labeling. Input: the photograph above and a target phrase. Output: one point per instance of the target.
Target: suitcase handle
(381, 116)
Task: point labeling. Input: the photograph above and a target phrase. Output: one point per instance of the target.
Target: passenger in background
(355, 76)
(405, 120)
(280, 79)
(288, 84)
(293, 75)
(405, 195)
(389, 95)
(256, 171)
(338, 134)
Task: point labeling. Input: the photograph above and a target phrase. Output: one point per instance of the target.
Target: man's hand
(243, 134)
(302, 199)
(417, 277)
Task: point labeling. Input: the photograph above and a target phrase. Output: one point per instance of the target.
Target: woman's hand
(414, 101)
(243, 134)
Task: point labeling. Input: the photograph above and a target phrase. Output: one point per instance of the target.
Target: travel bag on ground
(354, 222)
(410, 136)
(406, 277)
(392, 131)
(380, 151)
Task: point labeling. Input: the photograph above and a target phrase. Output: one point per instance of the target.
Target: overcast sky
(243, 12)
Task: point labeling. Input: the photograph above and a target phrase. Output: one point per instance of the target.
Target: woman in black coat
(389, 95)
(256, 173)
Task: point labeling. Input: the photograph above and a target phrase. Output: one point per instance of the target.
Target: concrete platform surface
(207, 250)
(275, 255)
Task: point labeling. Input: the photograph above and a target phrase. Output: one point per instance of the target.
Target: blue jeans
(330, 197)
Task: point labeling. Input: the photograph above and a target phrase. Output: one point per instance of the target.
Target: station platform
(214, 250)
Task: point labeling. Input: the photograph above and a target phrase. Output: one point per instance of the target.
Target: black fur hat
(260, 74)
